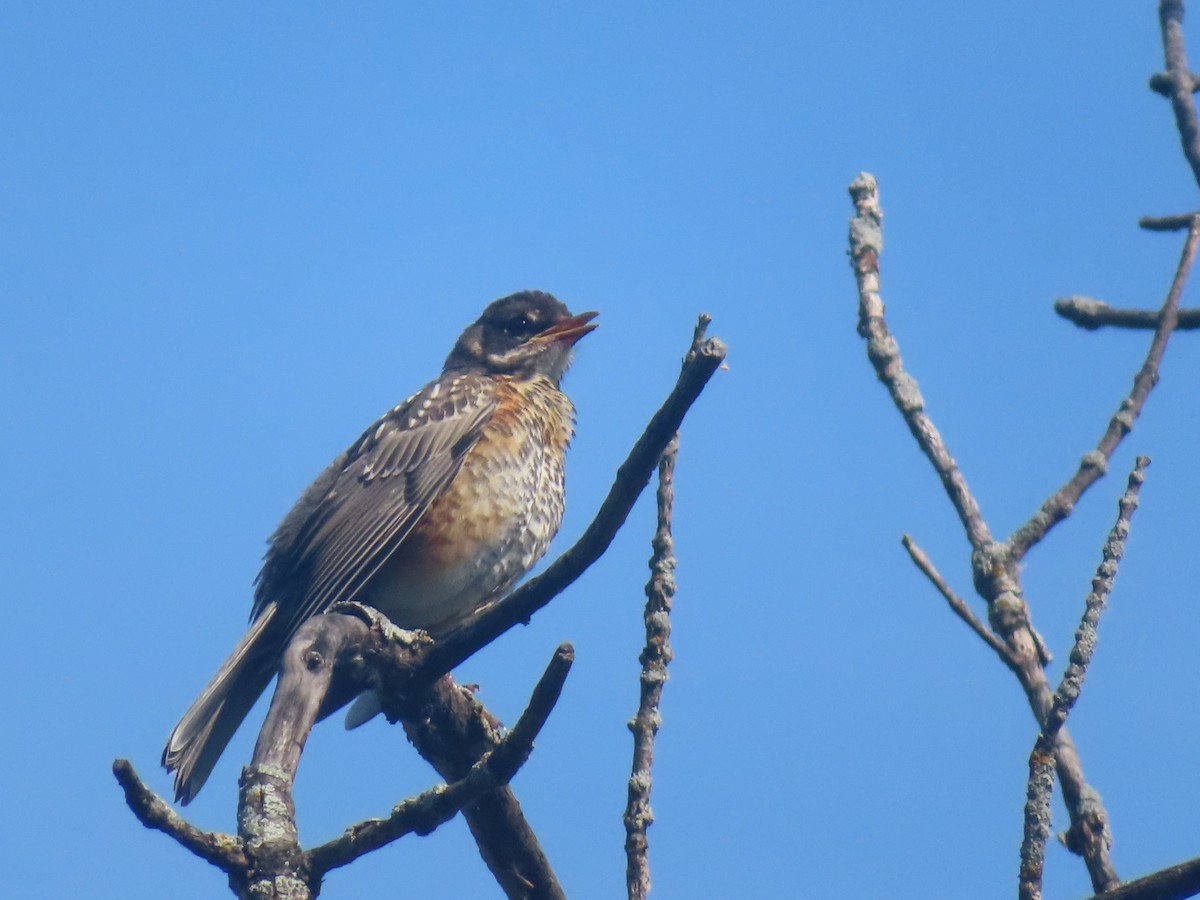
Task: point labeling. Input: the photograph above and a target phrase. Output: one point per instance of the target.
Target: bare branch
(222, 850)
(1173, 883)
(452, 730)
(333, 656)
(323, 648)
(995, 571)
(1037, 820)
(1093, 314)
(1009, 615)
(1160, 83)
(866, 244)
(957, 605)
(1167, 223)
(1094, 464)
(1092, 829)
(655, 658)
(1179, 81)
(424, 813)
(1059, 505)
(1102, 584)
(275, 866)
(322, 664)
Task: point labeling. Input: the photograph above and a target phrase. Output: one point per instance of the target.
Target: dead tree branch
(1174, 883)
(1094, 464)
(222, 850)
(1093, 314)
(957, 605)
(866, 245)
(1041, 760)
(452, 731)
(265, 859)
(994, 568)
(1179, 82)
(655, 658)
(1167, 223)
(423, 814)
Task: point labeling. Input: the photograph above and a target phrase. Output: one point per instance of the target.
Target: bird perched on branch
(434, 512)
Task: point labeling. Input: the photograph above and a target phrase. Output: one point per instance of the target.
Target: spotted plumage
(434, 512)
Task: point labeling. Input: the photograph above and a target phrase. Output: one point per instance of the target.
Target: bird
(437, 509)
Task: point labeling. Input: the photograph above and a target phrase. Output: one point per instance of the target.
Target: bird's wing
(359, 511)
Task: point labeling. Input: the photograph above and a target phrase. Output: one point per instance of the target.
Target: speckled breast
(493, 522)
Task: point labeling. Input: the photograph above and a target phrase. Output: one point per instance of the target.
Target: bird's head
(525, 334)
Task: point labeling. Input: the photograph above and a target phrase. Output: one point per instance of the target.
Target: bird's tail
(196, 743)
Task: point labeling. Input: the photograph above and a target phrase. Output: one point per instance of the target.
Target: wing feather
(358, 513)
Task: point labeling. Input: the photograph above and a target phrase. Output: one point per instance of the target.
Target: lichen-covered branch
(452, 730)
(655, 658)
(1173, 883)
(422, 814)
(866, 245)
(1095, 463)
(994, 566)
(1041, 760)
(222, 850)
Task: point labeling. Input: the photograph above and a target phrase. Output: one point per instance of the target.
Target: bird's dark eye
(519, 326)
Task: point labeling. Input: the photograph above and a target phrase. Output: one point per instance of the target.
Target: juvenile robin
(433, 513)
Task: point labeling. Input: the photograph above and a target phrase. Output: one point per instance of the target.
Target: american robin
(436, 511)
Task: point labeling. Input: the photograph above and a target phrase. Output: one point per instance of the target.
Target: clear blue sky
(230, 237)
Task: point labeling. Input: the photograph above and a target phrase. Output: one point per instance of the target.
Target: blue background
(231, 236)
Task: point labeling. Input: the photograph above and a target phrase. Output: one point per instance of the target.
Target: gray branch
(655, 658)
(1093, 314)
(424, 813)
(1178, 81)
(1041, 759)
(994, 566)
(1094, 464)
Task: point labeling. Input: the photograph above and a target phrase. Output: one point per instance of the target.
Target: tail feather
(196, 743)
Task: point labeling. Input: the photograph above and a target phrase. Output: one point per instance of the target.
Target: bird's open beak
(567, 331)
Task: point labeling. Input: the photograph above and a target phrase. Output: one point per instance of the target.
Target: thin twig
(452, 730)
(222, 850)
(995, 572)
(655, 658)
(426, 812)
(1059, 505)
(1167, 223)
(1094, 464)
(1180, 81)
(866, 243)
(1071, 685)
(957, 605)
(1041, 760)
(1160, 83)
(1093, 314)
